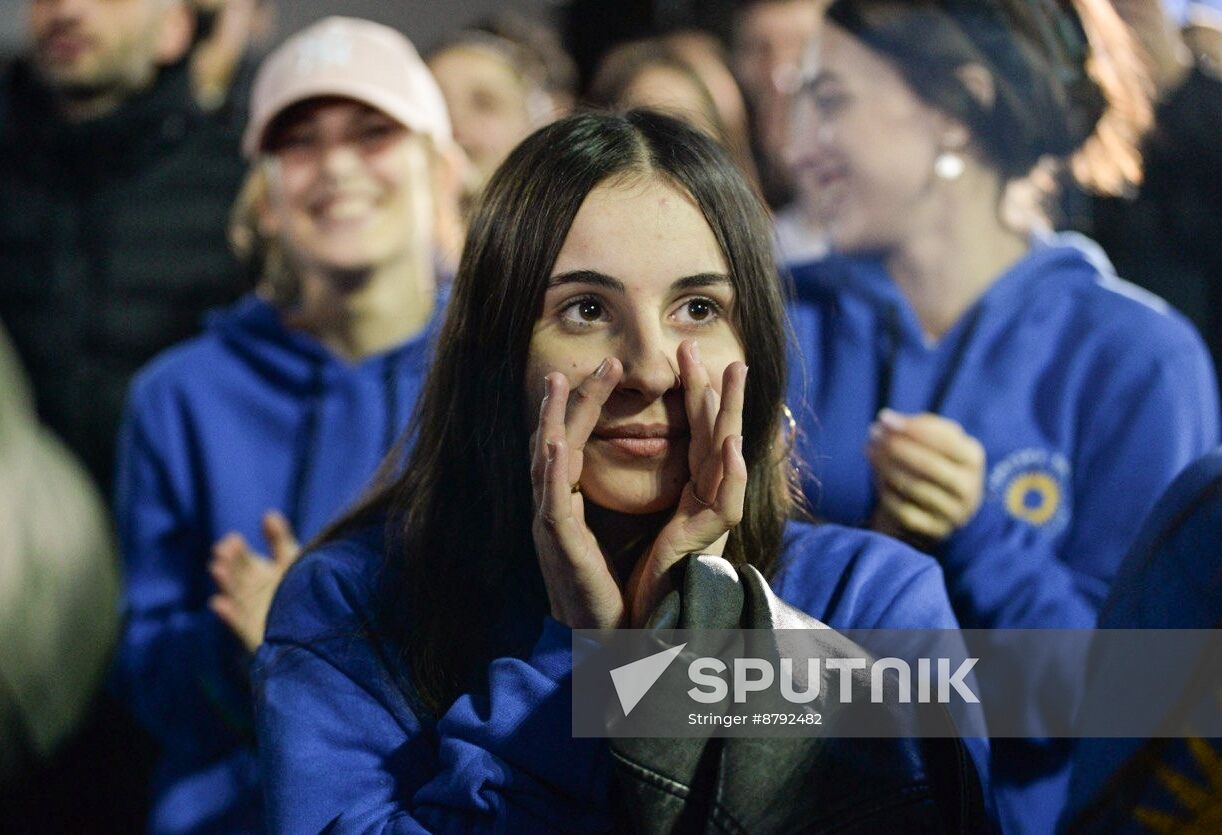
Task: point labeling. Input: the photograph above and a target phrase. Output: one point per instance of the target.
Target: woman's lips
(641, 441)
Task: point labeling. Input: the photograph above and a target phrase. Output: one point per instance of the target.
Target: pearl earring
(948, 166)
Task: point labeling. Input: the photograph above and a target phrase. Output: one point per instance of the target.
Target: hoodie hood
(1062, 258)
(304, 370)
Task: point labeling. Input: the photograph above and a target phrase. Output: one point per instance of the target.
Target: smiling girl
(266, 426)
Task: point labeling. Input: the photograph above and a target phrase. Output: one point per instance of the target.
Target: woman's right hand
(581, 586)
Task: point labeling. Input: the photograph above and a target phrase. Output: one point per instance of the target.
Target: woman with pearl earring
(988, 391)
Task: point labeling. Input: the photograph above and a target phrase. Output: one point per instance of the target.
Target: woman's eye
(698, 312)
(375, 135)
(584, 312)
(294, 141)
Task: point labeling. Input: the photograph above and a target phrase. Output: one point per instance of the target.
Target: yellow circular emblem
(1033, 497)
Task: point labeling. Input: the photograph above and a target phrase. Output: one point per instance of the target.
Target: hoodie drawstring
(888, 352)
(303, 455)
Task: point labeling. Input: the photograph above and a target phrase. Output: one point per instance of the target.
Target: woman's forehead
(640, 228)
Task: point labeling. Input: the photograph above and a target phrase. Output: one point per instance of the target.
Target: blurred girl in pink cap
(258, 432)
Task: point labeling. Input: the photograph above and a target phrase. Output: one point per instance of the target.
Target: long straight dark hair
(458, 514)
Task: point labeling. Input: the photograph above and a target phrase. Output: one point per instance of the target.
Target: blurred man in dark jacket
(114, 194)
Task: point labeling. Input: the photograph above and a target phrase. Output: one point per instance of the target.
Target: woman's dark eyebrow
(689, 282)
(693, 282)
(587, 277)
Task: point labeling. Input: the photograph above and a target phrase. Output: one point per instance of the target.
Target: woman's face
(350, 188)
(863, 146)
(639, 273)
(665, 89)
(487, 102)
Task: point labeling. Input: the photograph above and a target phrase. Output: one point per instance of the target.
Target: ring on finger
(696, 496)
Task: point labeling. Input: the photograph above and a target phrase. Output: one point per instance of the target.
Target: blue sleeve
(1001, 573)
(341, 751)
(178, 669)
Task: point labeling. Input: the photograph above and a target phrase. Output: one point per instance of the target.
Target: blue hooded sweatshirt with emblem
(247, 417)
(344, 751)
(1088, 395)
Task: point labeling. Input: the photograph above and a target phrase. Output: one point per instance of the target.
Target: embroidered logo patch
(1032, 485)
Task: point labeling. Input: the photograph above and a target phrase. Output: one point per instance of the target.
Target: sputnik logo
(632, 681)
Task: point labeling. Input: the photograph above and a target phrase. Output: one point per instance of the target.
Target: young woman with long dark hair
(589, 420)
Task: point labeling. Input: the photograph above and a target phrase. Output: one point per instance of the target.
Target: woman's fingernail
(601, 371)
(892, 420)
(876, 432)
(737, 442)
(551, 451)
(696, 352)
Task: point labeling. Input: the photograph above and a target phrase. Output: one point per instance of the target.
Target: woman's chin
(634, 503)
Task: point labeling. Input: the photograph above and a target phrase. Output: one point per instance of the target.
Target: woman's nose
(339, 159)
(651, 366)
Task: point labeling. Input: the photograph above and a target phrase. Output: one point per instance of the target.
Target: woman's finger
(732, 494)
(925, 463)
(938, 433)
(585, 404)
(695, 380)
(921, 492)
(911, 518)
(728, 422)
(550, 428)
(281, 541)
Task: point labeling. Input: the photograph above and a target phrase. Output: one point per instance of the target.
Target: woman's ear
(175, 29)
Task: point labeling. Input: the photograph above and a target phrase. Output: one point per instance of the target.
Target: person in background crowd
(649, 74)
(768, 40)
(267, 425)
(708, 59)
(1165, 236)
(653, 74)
(58, 587)
(587, 423)
(500, 82)
(114, 189)
(230, 35)
(541, 42)
(1000, 399)
(497, 92)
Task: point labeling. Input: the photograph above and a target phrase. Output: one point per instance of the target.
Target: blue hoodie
(1088, 395)
(246, 418)
(343, 751)
(1171, 579)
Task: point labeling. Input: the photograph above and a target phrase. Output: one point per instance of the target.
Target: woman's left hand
(247, 581)
(712, 500)
(929, 474)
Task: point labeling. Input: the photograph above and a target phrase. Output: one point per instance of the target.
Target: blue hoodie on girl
(1088, 395)
(344, 752)
(247, 417)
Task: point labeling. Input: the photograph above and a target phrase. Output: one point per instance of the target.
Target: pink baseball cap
(353, 58)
